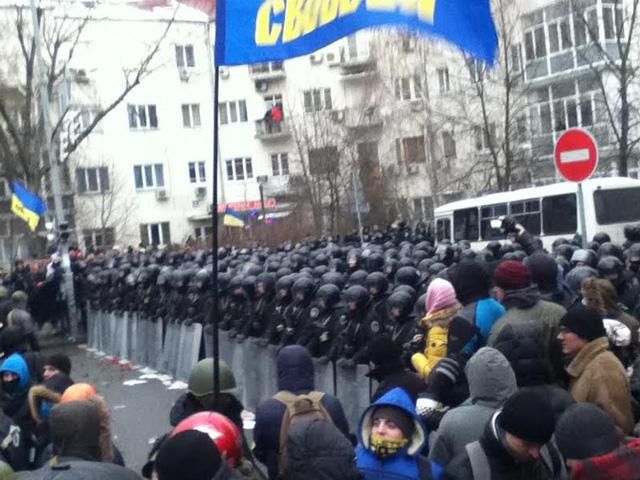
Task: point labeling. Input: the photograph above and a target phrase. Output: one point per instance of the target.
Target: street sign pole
(576, 157)
(581, 216)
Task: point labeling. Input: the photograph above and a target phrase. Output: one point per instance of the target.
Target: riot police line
(151, 308)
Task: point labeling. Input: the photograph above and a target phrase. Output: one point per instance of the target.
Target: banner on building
(254, 31)
(27, 205)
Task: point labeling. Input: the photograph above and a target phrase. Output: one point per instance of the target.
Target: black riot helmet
(407, 276)
(302, 289)
(283, 286)
(357, 297)
(575, 277)
(202, 279)
(335, 278)
(265, 283)
(375, 262)
(235, 285)
(609, 249)
(582, 257)
(377, 284)
(328, 295)
(249, 286)
(612, 269)
(400, 304)
(601, 237)
(359, 277)
(223, 281)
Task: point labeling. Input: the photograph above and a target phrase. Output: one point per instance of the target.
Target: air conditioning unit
(224, 72)
(316, 59)
(262, 86)
(161, 194)
(200, 192)
(333, 59)
(184, 74)
(81, 76)
(337, 116)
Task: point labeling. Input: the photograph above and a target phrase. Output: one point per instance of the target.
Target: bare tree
(107, 210)
(608, 49)
(499, 100)
(21, 132)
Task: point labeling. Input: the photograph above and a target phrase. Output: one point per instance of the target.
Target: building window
(155, 234)
(408, 88)
(516, 58)
(232, 112)
(443, 80)
(317, 100)
(271, 101)
(477, 70)
(411, 150)
(612, 18)
(148, 176)
(484, 138)
(280, 164)
(560, 36)
(448, 145)
(142, 116)
(191, 115)
(535, 44)
(92, 180)
(267, 67)
(83, 119)
(197, 172)
(239, 169)
(99, 238)
(184, 56)
(423, 208)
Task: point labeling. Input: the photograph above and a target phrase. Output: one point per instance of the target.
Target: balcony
(363, 119)
(272, 131)
(356, 65)
(265, 72)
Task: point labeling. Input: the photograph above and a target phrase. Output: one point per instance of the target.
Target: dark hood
(75, 430)
(523, 298)
(295, 369)
(471, 281)
(544, 271)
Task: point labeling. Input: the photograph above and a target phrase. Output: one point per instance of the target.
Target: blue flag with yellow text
(254, 31)
(27, 205)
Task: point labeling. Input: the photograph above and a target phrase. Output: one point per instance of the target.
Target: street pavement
(140, 400)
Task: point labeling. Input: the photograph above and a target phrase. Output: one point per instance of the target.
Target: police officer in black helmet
(321, 331)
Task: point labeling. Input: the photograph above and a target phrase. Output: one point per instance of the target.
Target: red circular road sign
(576, 155)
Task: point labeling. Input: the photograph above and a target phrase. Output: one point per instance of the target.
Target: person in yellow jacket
(441, 306)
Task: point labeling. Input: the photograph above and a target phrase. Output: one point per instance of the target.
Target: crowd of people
(511, 362)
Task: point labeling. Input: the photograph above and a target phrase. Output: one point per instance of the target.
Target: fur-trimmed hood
(396, 398)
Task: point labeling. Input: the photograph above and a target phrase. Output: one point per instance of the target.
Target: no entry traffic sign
(576, 155)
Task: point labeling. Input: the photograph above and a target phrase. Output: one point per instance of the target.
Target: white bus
(549, 212)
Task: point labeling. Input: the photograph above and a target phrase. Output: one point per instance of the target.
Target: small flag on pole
(232, 218)
(27, 205)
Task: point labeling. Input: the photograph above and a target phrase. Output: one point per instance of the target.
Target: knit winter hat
(59, 361)
(584, 321)
(190, 454)
(584, 431)
(397, 416)
(471, 281)
(440, 295)
(512, 275)
(528, 416)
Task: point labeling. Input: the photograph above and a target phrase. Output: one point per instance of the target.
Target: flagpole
(214, 223)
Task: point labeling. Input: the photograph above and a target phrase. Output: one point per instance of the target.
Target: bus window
(443, 229)
(527, 213)
(487, 214)
(559, 214)
(465, 224)
(617, 206)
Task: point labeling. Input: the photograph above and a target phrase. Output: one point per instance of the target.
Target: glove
(240, 338)
(444, 376)
(346, 363)
(324, 360)
(433, 417)
(187, 322)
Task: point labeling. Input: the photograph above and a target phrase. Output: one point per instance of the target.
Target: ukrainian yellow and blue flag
(253, 31)
(232, 218)
(27, 205)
